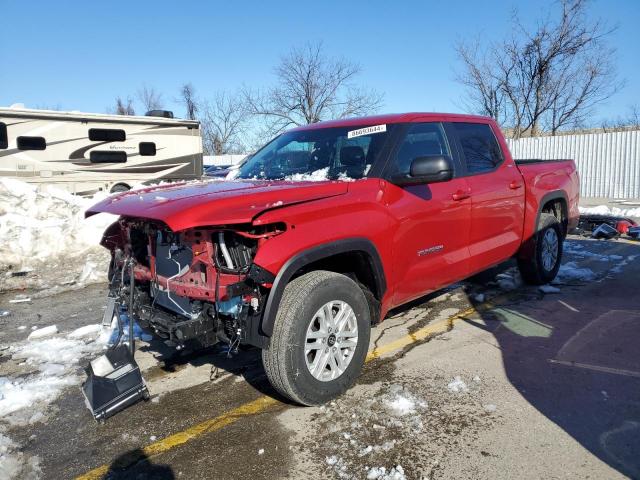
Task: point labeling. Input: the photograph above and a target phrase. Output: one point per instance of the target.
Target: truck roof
(396, 118)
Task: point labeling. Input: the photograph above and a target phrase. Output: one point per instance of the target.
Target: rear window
(4, 140)
(479, 146)
(107, 135)
(31, 143)
(104, 156)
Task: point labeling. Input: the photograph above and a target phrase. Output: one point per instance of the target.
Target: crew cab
(327, 228)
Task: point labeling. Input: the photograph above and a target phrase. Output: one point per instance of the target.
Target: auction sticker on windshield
(366, 131)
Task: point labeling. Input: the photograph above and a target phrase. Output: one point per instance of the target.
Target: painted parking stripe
(264, 403)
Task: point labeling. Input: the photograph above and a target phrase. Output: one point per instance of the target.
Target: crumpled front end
(195, 287)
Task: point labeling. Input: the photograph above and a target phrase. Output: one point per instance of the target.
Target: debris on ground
(373, 433)
(20, 299)
(4, 313)
(605, 231)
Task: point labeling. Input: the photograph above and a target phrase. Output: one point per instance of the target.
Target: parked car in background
(217, 171)
(87, 152)
(325, 230)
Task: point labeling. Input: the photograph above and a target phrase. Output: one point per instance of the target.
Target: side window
(479, 146)
(4, 140)
(106, 156)
(31, 143)
(147, 149)
(107, 135)
(421, 140)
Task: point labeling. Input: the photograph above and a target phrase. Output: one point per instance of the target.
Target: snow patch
(457, 385)
(548, 289)
(86, 331)
(380, 473)
(316, 176)
(605, 210)
(43, 332)
(571, 272)
(401, 402)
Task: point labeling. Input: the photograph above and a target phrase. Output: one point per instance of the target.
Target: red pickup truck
(327, 228)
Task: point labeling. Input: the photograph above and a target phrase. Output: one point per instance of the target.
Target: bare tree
(124, 107)
(548, 78)
(485, 89)
(150, 98)
(629, 122)
(188, 98)
(311, 87)
(223, 122)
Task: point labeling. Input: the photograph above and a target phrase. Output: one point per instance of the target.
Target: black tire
(120, 187)
(284, 360)
(532, 268)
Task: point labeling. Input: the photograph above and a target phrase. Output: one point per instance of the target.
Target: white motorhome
(87, 152)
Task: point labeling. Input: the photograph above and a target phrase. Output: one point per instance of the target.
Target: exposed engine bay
(193, 288)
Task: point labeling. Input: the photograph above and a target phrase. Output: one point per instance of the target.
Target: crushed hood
(189, 205)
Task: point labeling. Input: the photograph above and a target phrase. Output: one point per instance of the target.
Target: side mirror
(427, 169)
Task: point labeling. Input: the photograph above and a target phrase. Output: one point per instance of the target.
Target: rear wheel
(320, 338)
(543, 265)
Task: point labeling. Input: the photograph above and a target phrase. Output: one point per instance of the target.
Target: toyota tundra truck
(325, 230)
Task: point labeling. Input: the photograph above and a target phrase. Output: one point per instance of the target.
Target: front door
(431, 238)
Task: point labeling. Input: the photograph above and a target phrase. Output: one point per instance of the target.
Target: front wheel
(543, 265)
(320, 338)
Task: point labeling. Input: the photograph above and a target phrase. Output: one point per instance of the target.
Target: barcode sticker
(367, 131)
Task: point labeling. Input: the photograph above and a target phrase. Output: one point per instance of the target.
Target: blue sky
(81, 55)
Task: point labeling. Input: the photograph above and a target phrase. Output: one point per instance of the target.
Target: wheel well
(120, 187)
(356, 265)
(558, 208)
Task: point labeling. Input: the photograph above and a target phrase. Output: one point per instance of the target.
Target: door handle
(515, 184)
(460, 195)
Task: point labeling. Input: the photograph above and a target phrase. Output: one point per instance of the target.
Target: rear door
(497, 195)
(430, 242)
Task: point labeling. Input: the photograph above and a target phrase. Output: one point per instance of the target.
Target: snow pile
(46, 237)
(604, 210)
(457, 385)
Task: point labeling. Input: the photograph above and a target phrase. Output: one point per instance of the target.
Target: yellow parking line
(263, 403)
(227, 418)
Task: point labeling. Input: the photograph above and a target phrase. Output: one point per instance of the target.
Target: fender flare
(314, 254)
(548, 197)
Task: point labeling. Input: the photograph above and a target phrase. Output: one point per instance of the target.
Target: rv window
(147, 149)
(107, 135)
(102, 156)
(31, 143)
(4, 141)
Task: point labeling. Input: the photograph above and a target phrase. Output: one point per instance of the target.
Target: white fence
(608, 163)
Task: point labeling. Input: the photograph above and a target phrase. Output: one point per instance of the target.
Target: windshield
(318, 154)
